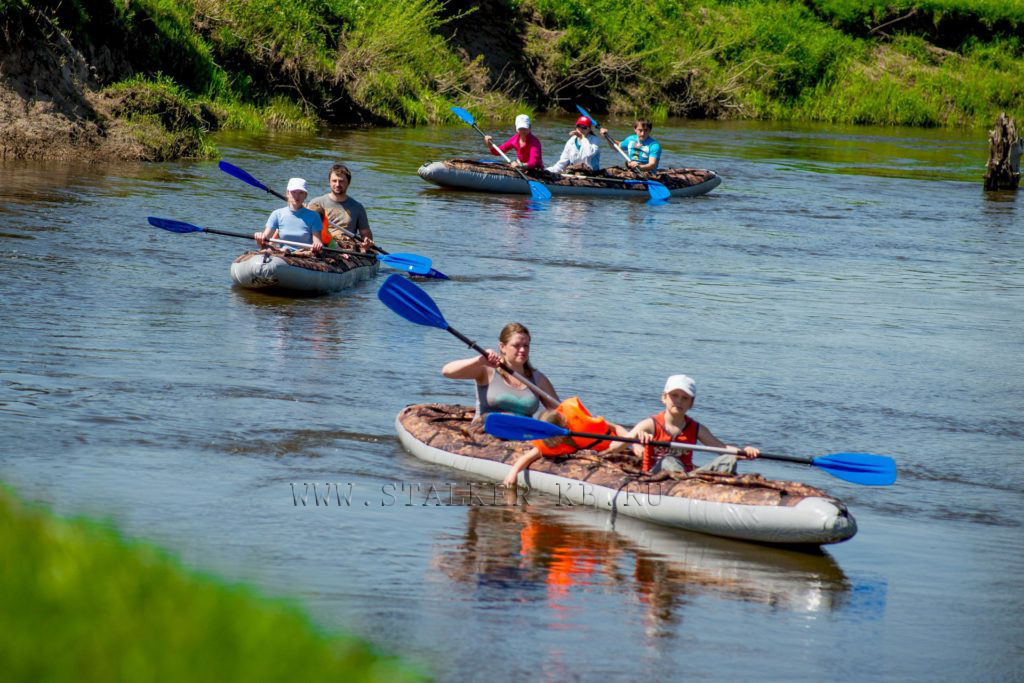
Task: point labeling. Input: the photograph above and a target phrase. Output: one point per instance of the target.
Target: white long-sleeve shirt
(579, 151)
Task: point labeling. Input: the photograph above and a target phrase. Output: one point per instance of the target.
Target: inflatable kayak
(487, 176)
(744, 506)
(281, 273)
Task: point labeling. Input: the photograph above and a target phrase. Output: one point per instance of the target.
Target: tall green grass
(779, 59)
(295, 63)
(81, 604)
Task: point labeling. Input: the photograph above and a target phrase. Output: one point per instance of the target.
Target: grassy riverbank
(201, 65)
(82, 604)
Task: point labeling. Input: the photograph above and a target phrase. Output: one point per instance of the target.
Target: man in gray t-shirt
(343, 213)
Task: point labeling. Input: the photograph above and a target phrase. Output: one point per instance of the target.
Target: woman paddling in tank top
(496, 390)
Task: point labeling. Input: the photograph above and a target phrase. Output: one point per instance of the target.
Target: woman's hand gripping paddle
(408, 300)
(860, 468)
(245, 177)
(537, 189)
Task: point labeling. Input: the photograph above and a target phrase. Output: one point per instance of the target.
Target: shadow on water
(548, 554)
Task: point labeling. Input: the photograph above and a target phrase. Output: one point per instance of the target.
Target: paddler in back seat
(574, 416)
(341, 214)
(496, 390)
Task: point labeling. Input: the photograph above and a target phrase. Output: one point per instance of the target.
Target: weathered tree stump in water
(1004, 150)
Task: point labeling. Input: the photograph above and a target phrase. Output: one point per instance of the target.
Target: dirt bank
(52, 108)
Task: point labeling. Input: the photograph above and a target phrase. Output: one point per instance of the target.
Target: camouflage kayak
(282, 273)
(484, 176)
(744, 506)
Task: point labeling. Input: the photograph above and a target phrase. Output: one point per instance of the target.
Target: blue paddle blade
(242, 175)
(173, 226)
(584, 112)
(464, 115)
(538, 191)
(519, 428)
(658, 190)
(408, 300)
(435, 273)
(411, 263)
(860, 468)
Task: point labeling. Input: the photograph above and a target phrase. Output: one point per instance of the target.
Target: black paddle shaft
(249, 237)
(627, 439)
(476, 347)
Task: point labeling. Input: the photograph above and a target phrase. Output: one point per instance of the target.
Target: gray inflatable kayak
(743, 506)
(483, 176)
(295, 275)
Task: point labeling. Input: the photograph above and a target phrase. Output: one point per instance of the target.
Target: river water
(844, 289)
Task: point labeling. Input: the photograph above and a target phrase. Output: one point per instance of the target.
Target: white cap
(684, 382)
(297, 184)
(522, 121)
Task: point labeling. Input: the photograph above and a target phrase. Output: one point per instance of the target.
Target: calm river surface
(843, 290)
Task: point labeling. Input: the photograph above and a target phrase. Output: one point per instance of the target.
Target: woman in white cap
(525, 143)
(673, 424)
(582, 148)
(294, 222)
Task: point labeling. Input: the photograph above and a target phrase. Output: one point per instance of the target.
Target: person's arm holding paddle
(499, 391)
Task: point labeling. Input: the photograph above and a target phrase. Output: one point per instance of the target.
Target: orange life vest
(578, 419)
(325, 233)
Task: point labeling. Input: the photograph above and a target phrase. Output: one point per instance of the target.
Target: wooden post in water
(1004, 149)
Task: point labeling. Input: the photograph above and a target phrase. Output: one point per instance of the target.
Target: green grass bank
(82, 604)
(195, 66)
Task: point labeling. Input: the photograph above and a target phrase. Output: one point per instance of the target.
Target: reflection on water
(554, 553)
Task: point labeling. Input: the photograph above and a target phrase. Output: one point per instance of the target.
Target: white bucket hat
(684, 382)
(522, 121)
(297, 184)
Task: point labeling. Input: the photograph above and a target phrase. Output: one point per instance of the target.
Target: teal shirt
(651, 148)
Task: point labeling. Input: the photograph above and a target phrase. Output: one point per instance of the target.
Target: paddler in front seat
(294, 222)
(496, 390)
(673, 424)
(574, 416)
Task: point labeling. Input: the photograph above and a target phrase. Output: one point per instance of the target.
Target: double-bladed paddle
(245, 177)
(408, 300)
(411, 263)
(658, 192)
(537, 189)
(859, 468)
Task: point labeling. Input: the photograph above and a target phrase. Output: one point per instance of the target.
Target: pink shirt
(529, 153)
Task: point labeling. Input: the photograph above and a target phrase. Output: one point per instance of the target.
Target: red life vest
(688, 434)
(578, 419)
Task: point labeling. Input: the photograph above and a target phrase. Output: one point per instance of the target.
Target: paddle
(537, 189)
(242, 175)
(408, 300)
(657, 191)
(859, 468)
(412, 263)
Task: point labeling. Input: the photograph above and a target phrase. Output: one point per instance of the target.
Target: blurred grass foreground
(80, 603)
